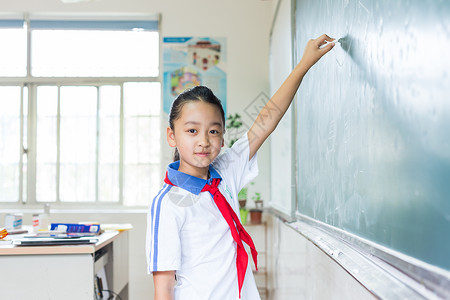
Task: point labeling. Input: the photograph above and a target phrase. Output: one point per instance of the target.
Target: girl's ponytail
(176, 155)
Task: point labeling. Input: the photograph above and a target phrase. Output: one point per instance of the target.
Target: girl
(194, 237)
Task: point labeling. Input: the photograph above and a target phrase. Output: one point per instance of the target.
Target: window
(81, 122)
(10, 137)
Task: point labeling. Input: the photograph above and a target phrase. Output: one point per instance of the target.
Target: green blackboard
(373, 123)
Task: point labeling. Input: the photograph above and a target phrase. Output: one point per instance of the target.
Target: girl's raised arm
(274, 110)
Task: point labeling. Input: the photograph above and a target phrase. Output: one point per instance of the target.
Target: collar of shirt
(188, 182)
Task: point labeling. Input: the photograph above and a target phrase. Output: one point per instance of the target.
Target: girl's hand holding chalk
(329, 42)
(315, 49)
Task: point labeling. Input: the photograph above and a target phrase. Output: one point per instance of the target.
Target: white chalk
(328, 42)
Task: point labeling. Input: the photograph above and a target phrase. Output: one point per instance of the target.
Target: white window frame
(29, 201)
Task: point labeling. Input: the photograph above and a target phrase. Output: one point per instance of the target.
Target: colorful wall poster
(192, 61)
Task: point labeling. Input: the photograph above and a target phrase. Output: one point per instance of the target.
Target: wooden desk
(64, 272)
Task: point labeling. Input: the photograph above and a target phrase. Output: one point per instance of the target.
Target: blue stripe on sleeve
(155, 224)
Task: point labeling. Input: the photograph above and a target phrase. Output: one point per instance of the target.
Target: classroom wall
(247, 77)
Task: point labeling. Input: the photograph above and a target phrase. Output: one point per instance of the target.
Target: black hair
(197, 93)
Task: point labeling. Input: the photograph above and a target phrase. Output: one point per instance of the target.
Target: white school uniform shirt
(187, 233)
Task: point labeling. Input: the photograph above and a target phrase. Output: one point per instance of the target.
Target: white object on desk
(13, 221)
(39, 241)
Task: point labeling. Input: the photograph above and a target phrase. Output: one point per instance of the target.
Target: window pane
(25, 117)
(25, 145)
(46, 143)
(94, 53)
(13, 53)
(9, 143)
(109, 144)
(142, 99)
(108, 183)
(77, 183)
(142, 139)
(45, 182)
(141, 129)
(141, 182)
(141, 142)
(78, 110)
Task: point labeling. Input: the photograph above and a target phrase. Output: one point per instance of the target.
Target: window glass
(141, 141)
(13, 54)
(78, 109)
(138, 192)
(90, 53)
(109, 144)
(25, 146)
(46, 143)
(142, 99)
(9, 143)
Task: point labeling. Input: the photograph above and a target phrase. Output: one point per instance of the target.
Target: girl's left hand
(313, 52)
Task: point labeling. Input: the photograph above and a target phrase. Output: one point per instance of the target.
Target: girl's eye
(214, 131)
(192, 131)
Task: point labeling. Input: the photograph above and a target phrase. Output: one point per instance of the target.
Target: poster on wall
(192, 61)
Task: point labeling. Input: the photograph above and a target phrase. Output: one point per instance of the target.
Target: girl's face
(198, 135)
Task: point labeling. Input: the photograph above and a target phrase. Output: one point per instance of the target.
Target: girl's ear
(171, 137)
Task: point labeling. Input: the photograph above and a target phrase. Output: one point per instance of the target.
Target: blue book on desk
(71, 227)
